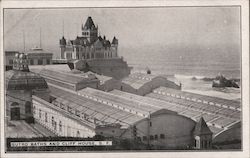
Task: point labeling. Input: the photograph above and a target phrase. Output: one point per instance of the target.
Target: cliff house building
(89, 45)
(90, 52)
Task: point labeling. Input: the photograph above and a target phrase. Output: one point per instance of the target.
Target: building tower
(202, 135)
(63, 47)
(89, 30)
(114, 46)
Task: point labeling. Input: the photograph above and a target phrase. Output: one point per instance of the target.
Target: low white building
(38, 56)
(60, 122)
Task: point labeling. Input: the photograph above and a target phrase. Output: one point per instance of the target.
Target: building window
(77, 113)
(28, 109)
(40, 62)
(139, 138)
(156, 137)
(55, 126)
(52, 121)
(69, 109)
(10, 62)
(86, 117)
(150, 124)
(60, 126)
(162, 136)
(78, 134)
(151, 137)
(48, 61)
(205, 144)
(34, 109)
(55, 103)
(144, 138)
(46, 117)
(62, 106)
(31, 62)
(40, 113)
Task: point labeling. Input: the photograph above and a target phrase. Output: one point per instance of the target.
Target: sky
(134, 27)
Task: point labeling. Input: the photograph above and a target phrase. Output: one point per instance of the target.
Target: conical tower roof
(89, 23)
(202, 128)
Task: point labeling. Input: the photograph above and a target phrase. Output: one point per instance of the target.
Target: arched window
(14, 104)
(14, 111)
(55, 124)
(40, 113)
(28, 107)
(34, 109)
(52, 120)
(46, 117)
(60, 126)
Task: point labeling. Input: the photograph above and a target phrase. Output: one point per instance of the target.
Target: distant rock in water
(194, 78)
(221, 81)
(208, 79)
(148, 71)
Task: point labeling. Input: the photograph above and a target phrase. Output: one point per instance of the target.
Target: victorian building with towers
(89, 45)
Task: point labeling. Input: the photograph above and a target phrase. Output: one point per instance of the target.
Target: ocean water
(186, 63)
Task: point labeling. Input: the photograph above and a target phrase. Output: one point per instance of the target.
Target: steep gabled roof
(115, 40)
(84, 41)
(89, 23)
(106, 43)
(202, 128)
(99, 42)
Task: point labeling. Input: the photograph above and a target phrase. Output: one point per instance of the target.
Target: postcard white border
(140, 3)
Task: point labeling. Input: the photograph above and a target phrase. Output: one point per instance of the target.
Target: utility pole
(63, 27)
(40, 42)
(23, 41)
